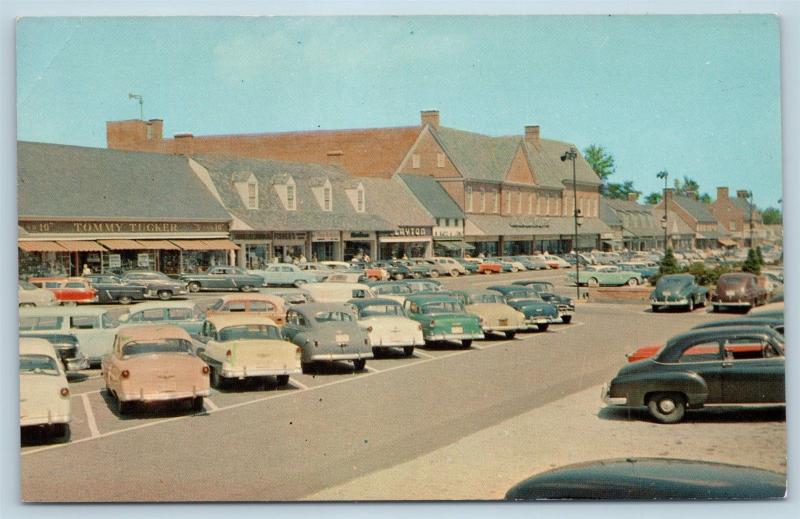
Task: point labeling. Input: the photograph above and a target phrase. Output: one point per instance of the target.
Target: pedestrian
(86, 270)
(303, 259)
(367, 259)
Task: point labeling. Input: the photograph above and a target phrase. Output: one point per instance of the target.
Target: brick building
(708, 233)
(737, 216)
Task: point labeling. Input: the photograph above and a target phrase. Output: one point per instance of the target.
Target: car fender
(637, 386)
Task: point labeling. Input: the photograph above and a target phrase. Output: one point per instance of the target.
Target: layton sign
(412, 231)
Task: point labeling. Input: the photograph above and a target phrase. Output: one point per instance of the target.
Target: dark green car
(678, 290)
(538, 313)
(443, 318)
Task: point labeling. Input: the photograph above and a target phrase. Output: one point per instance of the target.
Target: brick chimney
(155, 129)
(184, 144)
(692, 194)
(335, 158)
(429, 117)
(532, 135)
(722, 193)
(743, 193)
(633, 197)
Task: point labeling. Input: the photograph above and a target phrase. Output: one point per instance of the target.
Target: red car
(488, 267)
(68, 290)
(742, 350)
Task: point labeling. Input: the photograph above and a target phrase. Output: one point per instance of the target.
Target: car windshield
(38, 364)
(674, 281)
(475, 299)
(326, 317)
(382, 309)
(392, 289)
(732, 280)
(442, 307)
(156, 346)
(542, 287)
(250, 331)
(523, 294)
(24, 285)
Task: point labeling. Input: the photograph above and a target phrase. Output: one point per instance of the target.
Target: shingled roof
(432, 195)
(477, 156)
(390, 199)
(697, 209)
(55, 180)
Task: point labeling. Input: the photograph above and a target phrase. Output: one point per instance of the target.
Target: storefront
(288, 246)
(412, 242)
(448, 241)
(358, 244)
(518, 246)
(325, 245)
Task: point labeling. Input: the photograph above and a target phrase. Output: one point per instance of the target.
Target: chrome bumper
(162, 397)
(605, 395)
(669, 303)
(243, 373)
(342, 356)
(31, 421)
(77, 364)
(454, 336)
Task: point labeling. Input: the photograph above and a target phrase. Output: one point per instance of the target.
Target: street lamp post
(750, 200)
(572, 154)
(664, 174)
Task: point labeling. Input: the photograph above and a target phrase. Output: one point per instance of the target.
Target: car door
(703, 358)
(754, 371)
(95, 341)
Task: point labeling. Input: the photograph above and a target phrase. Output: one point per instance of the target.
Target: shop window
(440, 160)
(327, 193)
(415, 161)
(468, 198)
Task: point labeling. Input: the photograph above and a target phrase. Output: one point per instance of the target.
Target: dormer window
(291, 195)
(440, 160)
(252, 195)
(327, 193)
(360, 199)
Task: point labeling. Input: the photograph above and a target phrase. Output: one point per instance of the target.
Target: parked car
(531, 262)
(678, 290)
(31, 295)
(450, 266)
(394, 269)
(44, 399)
(494, 314)
(730, 365)
(517, 265)
(650, 478)
(237, 346)
(111, 289)
(185, 314)
(489, 267)
(328, 332)
(538, 313)
(341, 276)
(330, 292)
(319, 270)
(388, 327)
(94, 328)
(557, 262)
(647, 270)
(223, 278)
(470, 267)
(269, 306)
(423, 285)
(154, 363)
(606, 276)
(419, 268)
(369, 270)
(336, 265)
(68, 349)
(443, 318)
(391, 290)
(435, 269)
(505, 266)
(68, 290)
(547, 291)
(277, 274)
(291, 296)
(157, 283)
(776, 323)
(738, 290)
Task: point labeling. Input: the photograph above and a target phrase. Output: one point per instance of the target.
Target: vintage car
(158, 284)
(239, 346)
(650, 478)
(290, 296)
(505, 266)
(776, 323)
(678, 290)
(449, 266)
(223, 278)
(419, 268)
(538, 313)
(470, 267)
(68, 349)
(423, 285)
(111, 289)
(369, 270)
(319, 270)
(342, 276)
(547, 291)
(31, 295)
(94, 328)
(730, 365)
(494, 314)
(154, 363)
(516, 264)
(44, 399)
(646, 269)
(443, 318)
(530, 263)
(394, 270)
(336, 265)
(738, 290)
(606, 276)
(328, 332)
(332, 292)
(185, 314)
(434, 270)
(68, 290)
(556, 262)
(277, 274)
(269, 306)
(391, 290)
(489, 267)
(388, 327)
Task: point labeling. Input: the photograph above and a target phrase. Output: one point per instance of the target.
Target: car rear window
(250, 331)
(380, 310)
(38, 364)
(325, 317)
(436, 307)
(41, 323)
(158, 346)
(83, 322)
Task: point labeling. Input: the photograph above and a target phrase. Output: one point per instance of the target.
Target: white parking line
(87, 392)
(370, 368)
(209, 404)
(570, 326)
(297, 384)
(93, 430)
(417, 352)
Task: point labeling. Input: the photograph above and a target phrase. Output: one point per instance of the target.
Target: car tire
(282, 380)
(454, 273)
(124, 300)
(165, 295)
(60, 432)
(197, 404)
(655, 308)
(466, 343)
(667, 408)
(632, 282)
(193, 287)
(593, 282)
(408, 351)
(299, 283)
(566, 319)
(690, 306)
(359, 364)
(510, 335)
(217, 381)
(246, 288)
(543, 327)
(434, 273)
(124, 407)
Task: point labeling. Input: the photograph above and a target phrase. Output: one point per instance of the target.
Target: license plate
(730, 293)
(457, 329)
(342, 338)
(503, 322)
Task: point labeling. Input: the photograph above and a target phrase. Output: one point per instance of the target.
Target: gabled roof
(607, 213)
(55, 180)
(477, 156)
(432, 196)
(390, 199)
(744, 205)
(697, 209)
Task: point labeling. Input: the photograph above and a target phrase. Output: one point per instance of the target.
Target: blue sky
(697, 95)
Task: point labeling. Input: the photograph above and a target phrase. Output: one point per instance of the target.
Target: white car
(336, 265)
(31, 295)
(43, 391)
(328, 292)
(451, 266)
(518, 266)
(388, 327)
(391, 290)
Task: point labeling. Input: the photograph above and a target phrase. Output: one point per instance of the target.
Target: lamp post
(750, 203)
(572, 154)
(664, 174)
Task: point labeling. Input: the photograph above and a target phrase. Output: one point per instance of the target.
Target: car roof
(148, 332)
(742, 321)
(428, 298)
(718, 333)
(155, 305)
(270, 298)
(36, 346)
(476, 292)
(314, 308)
(237, 319)
(41, 311)
(373, 301)
(507, 288)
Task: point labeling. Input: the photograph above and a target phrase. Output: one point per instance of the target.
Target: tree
(772, 216)
(668, 265)
(601, 162)
(759, 257)
(652, 198)
(686, 186)
(751, 264)
(620, 191)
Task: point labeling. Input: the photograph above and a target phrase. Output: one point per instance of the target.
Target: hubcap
(666, 406)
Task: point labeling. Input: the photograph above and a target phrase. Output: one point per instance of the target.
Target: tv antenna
(141, 104)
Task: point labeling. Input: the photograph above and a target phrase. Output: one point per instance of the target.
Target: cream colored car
(494, 314)
(31, 295)
(44, 399)
(237, 346)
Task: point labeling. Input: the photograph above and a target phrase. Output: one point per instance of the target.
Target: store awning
(727, 242)
(120, 244)
(40, 246)
(221, 244)
(191, 244)
(157, 245)
(453, 245)
(81, 246)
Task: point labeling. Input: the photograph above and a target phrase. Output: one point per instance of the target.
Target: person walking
(86, 270)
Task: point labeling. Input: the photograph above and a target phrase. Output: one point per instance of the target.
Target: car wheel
(655, 308)
(667, 407)
(466, 343)
(454, 273)
(197, 404)
(282, 380)
(124, 407)
(543, 327)
(61, 432)
(299, 283)
(216, 379)
(246, 288)
(593, 282)
(690, 306)
(164, 295)
(510, 335)
(194, 286)
(124, 300)
(408, 351)
(632, 282)
(566, 319)
(359, 364)
(26, 305)
(434, 273)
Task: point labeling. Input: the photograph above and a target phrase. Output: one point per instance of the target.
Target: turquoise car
(606, 276)
(443, 318)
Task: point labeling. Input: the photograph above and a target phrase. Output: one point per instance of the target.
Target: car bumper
(731, 303)
(505, 328)
(342, 356)
(397, 343)
(243, 373)
(605, 395)
(669, 303)
(454, 336)
(77, 363)
(533, 321)
(32, 421)
(162, 397)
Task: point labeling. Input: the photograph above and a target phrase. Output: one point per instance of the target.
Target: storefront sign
(114, 261)
(358, 235)
(447, 232)
(143, 260)
(533, 223)
(410, 232)
(288, 236)
(327, 236)
(120, 227)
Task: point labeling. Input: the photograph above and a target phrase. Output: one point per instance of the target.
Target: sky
(698, 96)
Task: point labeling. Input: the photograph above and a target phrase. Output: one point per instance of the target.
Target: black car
(111, 289)
(651, 478)
(547, 291)
(157, 283)
(729, 365)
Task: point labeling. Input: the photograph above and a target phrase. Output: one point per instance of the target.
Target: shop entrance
(288, 253)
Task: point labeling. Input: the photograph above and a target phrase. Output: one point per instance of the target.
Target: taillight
(369, 328)
(64, 391)
(205, 370)
(125, 373)
(433, 323)
(299, 350)
(228, 353)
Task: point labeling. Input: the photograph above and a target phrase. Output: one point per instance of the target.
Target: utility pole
(664, 174)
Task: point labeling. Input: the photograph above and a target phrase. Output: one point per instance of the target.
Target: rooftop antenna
(141, 104)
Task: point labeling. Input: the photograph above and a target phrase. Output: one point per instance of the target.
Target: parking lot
(330, 429)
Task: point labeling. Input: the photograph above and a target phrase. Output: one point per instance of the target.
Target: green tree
(751, 264)
(653, 198)
(668, 265)
(620, 191)
(705, 198)
(772, 216)
(759, 257)
(601, 162)
(685, 186)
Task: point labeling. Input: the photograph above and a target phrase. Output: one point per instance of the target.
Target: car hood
(492, 310)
